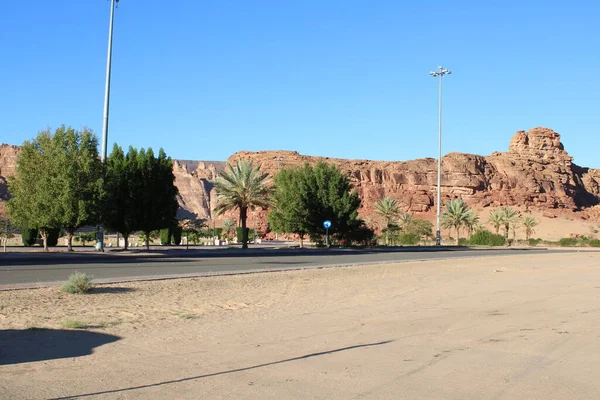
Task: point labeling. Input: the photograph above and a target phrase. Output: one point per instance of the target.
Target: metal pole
(439, 73)
(438, 235)
(107, 86)
(99, 229)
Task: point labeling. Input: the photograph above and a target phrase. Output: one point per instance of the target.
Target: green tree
(473, 222)
(228, 226)
(405, 220)
(310, 195)
(509, 217)
(496, 218)
(119, 200)
(140, 193)
(241, 187)
(85, 238)
(288, 212)
(57, 182)
(456, 215)
(7, 230)
(328, 195)
(420, 227)
(157, 194)
(529, 223)
(387, 208)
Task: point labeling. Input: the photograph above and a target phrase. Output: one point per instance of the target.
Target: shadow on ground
(23, 346)
(231, 371)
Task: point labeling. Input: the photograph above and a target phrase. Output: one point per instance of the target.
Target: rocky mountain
(535, 172)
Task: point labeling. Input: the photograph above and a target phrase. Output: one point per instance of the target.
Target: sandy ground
(515, 327)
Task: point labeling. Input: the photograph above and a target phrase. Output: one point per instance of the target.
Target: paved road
(39, 268)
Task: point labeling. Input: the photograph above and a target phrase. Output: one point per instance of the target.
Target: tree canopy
(57, 182)
(140, 193)
(241, 187)
(309, 195)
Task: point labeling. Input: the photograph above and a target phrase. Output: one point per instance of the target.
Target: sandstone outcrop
(535, 172)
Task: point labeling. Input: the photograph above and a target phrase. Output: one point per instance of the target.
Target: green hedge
(165, 236)
(29, 237)
(595, 243)
(53, 235)
(487, 238)
(534, 242)
(176, 232)
(567, 242)
(408, 239)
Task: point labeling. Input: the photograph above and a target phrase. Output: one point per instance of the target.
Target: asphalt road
(38, 268)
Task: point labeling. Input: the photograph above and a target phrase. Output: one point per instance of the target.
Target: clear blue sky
(204, 79)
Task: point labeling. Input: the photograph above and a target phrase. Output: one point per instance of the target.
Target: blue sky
(204, 79)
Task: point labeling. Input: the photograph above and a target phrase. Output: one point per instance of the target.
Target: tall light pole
(439, 73)
(113, 3)
(107, 87)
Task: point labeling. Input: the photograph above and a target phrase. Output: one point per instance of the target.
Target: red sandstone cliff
(536, 172)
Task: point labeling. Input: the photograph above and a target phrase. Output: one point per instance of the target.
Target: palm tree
(241, 187)
(472, 222)
(456, 214)
(387, 208)
(529, 223)
(228, 227)
(509, 217)
(405, 220)
(496, 218)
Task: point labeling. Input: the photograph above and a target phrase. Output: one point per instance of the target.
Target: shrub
(409, 239)
(567, 242)
(594, 243)
(78, 283)
(29, 237)
(165, 236)
(238, 231)
(362, 235)
(534, 242)
(52, 239)
(463, 242)
(85, 238)
(176, 232)
(487, 238)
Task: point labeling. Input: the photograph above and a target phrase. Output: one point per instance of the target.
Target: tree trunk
(243, 217)
(70, 241)
(126, 240)
(44, 236)
(147, 237)
(301, 241)
(187, 240)
(458, 235)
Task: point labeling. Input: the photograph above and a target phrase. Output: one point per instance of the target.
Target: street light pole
(439, 73)
(107, 86)
(113, 3)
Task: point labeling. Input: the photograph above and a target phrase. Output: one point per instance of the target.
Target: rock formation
(536, 172)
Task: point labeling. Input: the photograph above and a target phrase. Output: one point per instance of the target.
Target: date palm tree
(456, 215)
(509, 217)
(387, 208)
(241, 187)
(496, 218)
(529, 223)
(473, 222)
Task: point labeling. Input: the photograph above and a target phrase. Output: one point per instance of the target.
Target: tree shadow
(23, 346)
(109, 290)
(231, 371)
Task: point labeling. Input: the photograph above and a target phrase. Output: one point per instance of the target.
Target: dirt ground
(514, 327)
